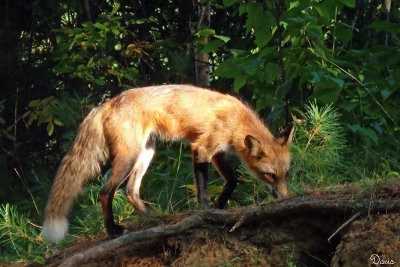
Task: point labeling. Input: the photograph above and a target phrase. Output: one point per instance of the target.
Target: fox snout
(278, 192)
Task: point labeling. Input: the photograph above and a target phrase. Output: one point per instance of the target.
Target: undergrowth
(321, 157)
(318, 148)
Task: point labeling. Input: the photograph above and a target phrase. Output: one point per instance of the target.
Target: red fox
(124, 129)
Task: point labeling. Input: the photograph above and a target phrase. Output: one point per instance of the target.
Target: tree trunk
(202, 66)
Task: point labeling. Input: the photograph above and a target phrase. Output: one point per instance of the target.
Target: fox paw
(115, 230)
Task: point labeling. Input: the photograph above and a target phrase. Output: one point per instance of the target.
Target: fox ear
(285, 137)
(253, 146)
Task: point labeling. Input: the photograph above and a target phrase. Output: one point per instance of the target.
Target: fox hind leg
(122, 166)
(200, 172)
(135, 180)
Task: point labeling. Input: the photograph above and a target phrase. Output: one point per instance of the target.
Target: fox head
(270, 162)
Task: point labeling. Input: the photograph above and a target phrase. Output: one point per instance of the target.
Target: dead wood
(236, 218)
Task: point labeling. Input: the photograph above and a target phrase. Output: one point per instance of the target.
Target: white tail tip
(55, 229)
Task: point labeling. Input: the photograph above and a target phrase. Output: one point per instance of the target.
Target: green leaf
(237, 52)
(262, 27)
(115, 8)
(366, 132)
(58, 122)
(385, 94)
(239, 82)
(222, 38)
(379, 26)
(254, 13)
(100, 81)
(205, 33)
(40, 259)
(263, 35)
(228, 3)
(293, 4)
(32, 117)
(284, 89)
(250, 66)
(34, 103)
(99, 26)
(343, 32)
(188, 186)
(349, 106)
(314, 31)
(50, 128)
(243, 9)
(117, 47)
(214, 190)
(349, 3)
(227, 69)
(326, 9)
(212, 46)
(266, 51)
(268, 101)
(131, 73)
(272, 71)
(87, 24)
(47, 100)
(326, 88)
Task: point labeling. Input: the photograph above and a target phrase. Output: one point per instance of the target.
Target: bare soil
(287, 239)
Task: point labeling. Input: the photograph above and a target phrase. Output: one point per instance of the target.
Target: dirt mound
(277, 243)
(370, 240)
(281, 233)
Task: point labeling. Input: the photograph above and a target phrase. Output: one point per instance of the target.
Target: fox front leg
(221, 163)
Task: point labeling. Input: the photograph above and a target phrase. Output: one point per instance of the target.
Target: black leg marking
(200, 171)
(221, 163)
(120, 173)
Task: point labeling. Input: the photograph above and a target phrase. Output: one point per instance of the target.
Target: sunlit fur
(120, 129)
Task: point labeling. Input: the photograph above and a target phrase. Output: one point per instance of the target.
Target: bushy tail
(82, 162)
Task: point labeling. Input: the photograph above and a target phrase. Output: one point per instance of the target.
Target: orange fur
(123, 129)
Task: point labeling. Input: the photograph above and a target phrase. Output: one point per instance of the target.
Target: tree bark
(202, 66)
(86, 8)
(387, 5)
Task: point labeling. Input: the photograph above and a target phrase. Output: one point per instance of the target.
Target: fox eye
(272, 175)
(287, 174)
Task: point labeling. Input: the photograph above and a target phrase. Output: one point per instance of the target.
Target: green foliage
(70, 110)
(41, 111)
(302, 50)
(94, 51)
(19, 238)
(167, 184)
(6, 132)
(318, 146)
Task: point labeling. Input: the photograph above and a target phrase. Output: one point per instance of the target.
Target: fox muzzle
(273, 192)
(277, 194)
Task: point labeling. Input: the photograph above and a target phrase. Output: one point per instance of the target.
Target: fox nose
(275, 193)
